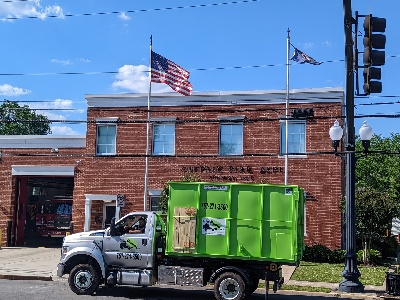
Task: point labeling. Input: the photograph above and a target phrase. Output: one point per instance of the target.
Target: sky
(226, 45)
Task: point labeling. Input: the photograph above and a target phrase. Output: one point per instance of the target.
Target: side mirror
(112, 227)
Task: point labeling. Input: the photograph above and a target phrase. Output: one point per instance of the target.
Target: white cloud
(85, 60)
(308, 45)
(9, 90)
(136, 79)
(58, 109)
(62, 130)
(123, 16)
(61, 61)
(56, 104)
(31, 8)
(327, 44)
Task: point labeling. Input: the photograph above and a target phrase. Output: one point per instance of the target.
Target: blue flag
(302, 58)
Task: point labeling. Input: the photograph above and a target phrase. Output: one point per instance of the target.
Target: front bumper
(60, 270)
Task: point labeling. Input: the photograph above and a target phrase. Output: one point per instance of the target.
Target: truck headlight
(64, 250)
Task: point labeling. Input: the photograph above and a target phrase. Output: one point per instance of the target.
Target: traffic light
(303, 112)
(372, 57)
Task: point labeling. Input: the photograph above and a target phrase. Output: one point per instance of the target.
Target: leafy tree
(187, 177)
(21, 120)
(377, 189)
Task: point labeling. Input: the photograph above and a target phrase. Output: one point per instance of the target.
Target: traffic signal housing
(374, 54)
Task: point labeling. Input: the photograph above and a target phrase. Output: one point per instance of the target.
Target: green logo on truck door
(213, 226)
(128, 244)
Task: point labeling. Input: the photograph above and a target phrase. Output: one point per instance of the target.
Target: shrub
(316, 253)
(386, 245)
(337, 256)
(375, 256)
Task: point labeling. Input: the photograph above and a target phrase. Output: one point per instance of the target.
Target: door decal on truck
(213, 226)
(128, 244)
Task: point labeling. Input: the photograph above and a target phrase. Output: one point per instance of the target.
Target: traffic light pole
(350, 273)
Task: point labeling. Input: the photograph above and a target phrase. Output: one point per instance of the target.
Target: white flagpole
(146, 172)
(287, 108)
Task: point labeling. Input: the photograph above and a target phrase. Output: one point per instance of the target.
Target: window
(296, 137)
(155, 203)
(164, 138)
(155, 196)
(231, 136)
(106, 137)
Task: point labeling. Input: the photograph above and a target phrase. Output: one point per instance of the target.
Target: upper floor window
(296, 137)
(231, 135)
(106, 139)
(164, 136)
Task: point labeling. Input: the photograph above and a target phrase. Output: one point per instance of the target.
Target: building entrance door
(108, 213)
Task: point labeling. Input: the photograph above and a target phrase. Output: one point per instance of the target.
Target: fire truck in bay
(53, 217)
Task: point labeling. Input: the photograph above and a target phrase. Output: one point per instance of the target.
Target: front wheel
(84, 279)
(229, 286)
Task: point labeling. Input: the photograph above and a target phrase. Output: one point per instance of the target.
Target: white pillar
(88, 214)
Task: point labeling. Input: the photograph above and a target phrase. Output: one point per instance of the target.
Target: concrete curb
(26, 277)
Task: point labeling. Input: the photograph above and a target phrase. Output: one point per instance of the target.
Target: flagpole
(287, 108)
(146, 172)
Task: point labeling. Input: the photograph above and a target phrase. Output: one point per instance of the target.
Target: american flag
(302, 58)
(165, 71)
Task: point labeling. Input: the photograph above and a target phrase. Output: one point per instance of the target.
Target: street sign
(120, 200)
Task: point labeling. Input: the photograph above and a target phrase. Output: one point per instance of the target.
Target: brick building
(234, 136)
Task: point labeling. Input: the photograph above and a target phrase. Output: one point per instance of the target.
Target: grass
(331, 273)
(324, 272)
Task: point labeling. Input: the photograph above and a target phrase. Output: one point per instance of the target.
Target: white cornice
(217, 98)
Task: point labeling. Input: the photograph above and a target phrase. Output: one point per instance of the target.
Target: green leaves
(21, 120)
(377, 186)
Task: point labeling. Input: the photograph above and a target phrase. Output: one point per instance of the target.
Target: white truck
(229, 235)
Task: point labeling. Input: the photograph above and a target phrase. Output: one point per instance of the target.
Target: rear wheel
(229, 286)
(84, 279)
(252, 288)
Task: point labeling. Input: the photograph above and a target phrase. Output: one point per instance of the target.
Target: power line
(128, 11)
(130, 155)
(183, 121)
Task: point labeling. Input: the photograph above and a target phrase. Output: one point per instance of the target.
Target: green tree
(187, 177)
(21, 120)
(377, 189)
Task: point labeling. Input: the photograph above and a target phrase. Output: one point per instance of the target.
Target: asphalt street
(39, 290)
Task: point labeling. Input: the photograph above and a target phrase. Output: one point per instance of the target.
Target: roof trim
(43, 170)
(216, 98)
(42, 141)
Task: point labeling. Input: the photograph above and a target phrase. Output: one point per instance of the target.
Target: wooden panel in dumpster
(232, 220)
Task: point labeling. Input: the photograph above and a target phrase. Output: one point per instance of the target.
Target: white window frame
(282, 134)
(230, 120)
(154, 194)
(103, 122)
(167, 121)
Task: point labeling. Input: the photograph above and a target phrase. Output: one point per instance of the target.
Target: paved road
(39, 290)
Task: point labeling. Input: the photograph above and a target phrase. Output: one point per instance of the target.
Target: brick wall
(28, 157)
(197, 132)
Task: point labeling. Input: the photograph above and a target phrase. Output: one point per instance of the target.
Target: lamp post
(336, 133)
(365, 135)
(350, 273)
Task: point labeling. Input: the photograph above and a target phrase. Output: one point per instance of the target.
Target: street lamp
(336, 133)
(350, 273)
(365, 135)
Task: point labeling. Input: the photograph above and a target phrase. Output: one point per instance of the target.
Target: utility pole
(350, 273)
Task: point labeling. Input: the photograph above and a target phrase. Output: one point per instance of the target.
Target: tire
(252, 288)
(229, 286)
(84, 279)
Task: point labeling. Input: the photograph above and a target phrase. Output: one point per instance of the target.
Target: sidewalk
(23, 263)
